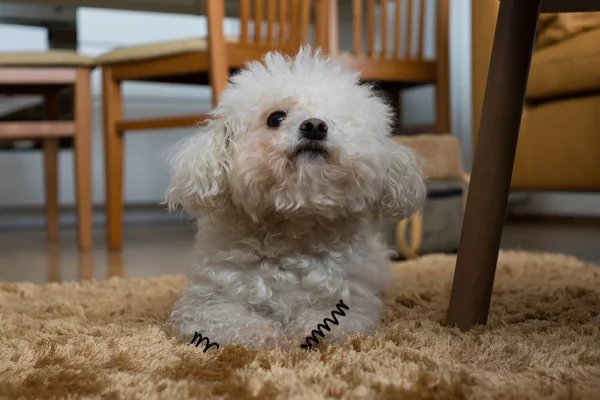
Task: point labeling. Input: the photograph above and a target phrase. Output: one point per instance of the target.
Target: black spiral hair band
(340, 307)
(201, 339)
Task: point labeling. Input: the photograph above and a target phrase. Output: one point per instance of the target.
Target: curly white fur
(282, 238)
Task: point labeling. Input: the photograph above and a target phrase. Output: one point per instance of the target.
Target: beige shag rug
(109, 340)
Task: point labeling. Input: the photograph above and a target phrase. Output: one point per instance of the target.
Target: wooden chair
(189, 61)
(394, 64)
(48, 74)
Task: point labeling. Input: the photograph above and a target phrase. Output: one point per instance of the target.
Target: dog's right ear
(200, 166)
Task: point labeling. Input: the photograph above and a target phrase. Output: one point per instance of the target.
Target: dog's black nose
(314, 129)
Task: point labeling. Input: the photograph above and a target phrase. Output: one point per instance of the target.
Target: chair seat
(52, 58)
(151, 51)
(389, 69)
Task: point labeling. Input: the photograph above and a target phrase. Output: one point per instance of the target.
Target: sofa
(559, 142)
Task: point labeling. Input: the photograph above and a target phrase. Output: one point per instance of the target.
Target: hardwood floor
(580, 238)
(163, 248)
(149, 251)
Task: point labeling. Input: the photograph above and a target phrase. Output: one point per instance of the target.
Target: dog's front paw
(248, 330)
(264, 335)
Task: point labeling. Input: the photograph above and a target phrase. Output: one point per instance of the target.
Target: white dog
(288, 179)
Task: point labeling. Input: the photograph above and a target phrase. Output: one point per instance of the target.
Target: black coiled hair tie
(340, 307)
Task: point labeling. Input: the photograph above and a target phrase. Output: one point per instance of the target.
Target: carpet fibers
(109, 340)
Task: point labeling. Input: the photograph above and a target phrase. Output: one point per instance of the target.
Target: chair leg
(51, 148)
(493, 163)
(442, 87)
(83, 158)
(393, 93)
(51, 183)
(113, 159)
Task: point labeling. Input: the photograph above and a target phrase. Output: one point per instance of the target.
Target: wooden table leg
(493, 163)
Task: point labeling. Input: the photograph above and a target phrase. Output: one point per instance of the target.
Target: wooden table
(66, 34)
(62, 31)
(196, 7)
(495, 154)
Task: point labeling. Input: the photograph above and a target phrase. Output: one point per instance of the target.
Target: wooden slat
(258, 19)
(327, 26)
(283, 21)
(294, 21)
(370, 28)
(423, 7)
(357, 12)
(384, 27)
(160, 123)
(244, 18)
(330, 28)
(304, 20)
(37, 76)
(397, 29)
(409, 30)
(321, 22)
(36, 130)
(271, 22)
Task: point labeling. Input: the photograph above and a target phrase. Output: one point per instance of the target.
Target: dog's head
(300, 136)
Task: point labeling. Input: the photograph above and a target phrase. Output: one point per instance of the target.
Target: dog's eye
(275, 119)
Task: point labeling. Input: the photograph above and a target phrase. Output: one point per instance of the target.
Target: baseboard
(554, 204)
(520, 219)
(33, 218)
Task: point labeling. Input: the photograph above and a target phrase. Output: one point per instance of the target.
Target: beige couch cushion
(569, 67)
(440, 152)
(52, 58)
(155, 50)
(554, 28)
(559, 146)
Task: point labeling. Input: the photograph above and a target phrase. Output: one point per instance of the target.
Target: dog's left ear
(403, 189)
(200, 168)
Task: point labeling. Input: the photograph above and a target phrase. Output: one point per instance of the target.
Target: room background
(21, 178)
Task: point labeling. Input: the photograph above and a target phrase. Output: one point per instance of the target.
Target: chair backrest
(390, 29)
(285, 28)
(281, 24)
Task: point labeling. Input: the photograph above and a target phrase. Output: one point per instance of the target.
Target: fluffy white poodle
(288, 180)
